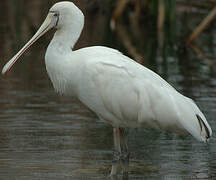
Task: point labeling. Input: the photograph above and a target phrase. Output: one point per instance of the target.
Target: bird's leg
(117, 150)
(124, 146)
(124, 153)
(121, 155)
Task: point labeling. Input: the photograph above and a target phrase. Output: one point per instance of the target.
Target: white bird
(120, 91)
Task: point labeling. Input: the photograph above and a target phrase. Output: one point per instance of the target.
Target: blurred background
(46, 136)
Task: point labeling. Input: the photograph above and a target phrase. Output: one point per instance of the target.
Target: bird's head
(60, 16)
(66, 13)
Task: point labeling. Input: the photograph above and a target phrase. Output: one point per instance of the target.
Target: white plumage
(118, 89)
(123, 92)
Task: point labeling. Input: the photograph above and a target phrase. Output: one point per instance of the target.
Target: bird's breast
(62, 73)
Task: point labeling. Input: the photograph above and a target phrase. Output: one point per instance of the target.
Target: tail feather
(193, 120)
(202, 124)
(203, 131)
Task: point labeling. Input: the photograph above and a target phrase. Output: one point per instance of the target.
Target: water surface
(46, 136)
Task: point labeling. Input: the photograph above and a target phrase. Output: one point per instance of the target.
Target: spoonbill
(119, 90)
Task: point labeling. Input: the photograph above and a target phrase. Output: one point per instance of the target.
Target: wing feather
(125, 93)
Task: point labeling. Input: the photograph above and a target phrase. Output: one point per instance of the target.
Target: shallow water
(46, 136)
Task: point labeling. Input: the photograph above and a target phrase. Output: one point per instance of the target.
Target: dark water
(45, 136)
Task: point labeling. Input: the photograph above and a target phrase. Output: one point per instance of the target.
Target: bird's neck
(66, 37)
(58, 55)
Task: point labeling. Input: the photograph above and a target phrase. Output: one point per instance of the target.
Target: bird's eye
(55, 13)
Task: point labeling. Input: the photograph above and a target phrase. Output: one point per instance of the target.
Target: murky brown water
(45, 136)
